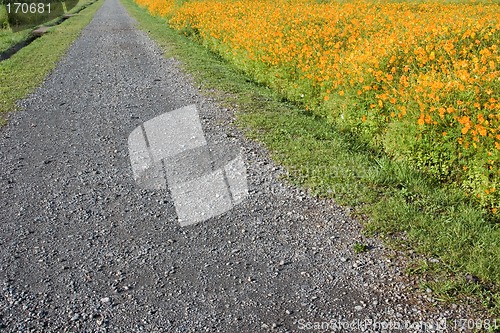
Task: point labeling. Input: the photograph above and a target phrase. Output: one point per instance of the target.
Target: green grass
(3, 16)
(407, 209)
(8, 38)
(360, 248)
(24, 71)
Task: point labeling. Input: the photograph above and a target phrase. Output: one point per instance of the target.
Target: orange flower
(434, 60)
(421, 119)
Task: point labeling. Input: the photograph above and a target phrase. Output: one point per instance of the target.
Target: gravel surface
(83, 249)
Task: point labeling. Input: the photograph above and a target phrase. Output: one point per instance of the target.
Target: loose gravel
(83, 249)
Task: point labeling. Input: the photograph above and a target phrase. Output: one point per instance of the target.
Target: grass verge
(9, 38)
(24, 71)
(458, 243)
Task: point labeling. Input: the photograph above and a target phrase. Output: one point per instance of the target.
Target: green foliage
(4, 19)
(8, 38)
(19, 20)
(360, 247)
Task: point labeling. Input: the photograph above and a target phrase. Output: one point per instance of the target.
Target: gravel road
(84, 249)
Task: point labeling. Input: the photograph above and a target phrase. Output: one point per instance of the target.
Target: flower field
(418, 80)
